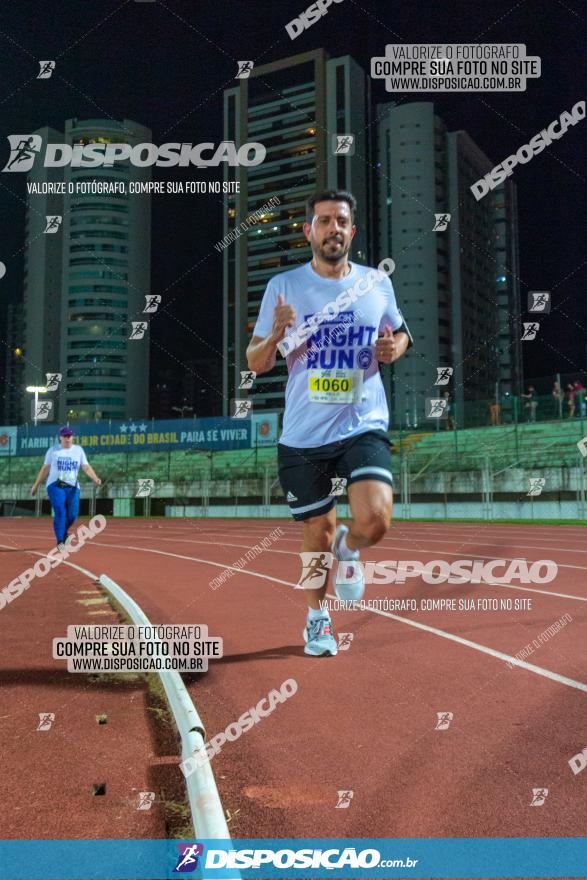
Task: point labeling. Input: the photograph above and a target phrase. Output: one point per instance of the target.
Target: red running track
(365, 721)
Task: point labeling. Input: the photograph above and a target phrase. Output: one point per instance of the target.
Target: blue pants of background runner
(65, 504)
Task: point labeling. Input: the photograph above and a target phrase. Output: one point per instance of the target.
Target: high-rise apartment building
(457, 286)
(85, 282)
(295, 107)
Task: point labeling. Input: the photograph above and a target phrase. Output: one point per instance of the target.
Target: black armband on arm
(403, 328)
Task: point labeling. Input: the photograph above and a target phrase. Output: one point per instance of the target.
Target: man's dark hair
(331, 195)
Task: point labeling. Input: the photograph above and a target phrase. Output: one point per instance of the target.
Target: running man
(61, 466)
(336, 414)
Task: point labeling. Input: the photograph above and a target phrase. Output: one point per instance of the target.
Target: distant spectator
(531, 404)
(580, 398)
(571, 400)
(494, 412)
(449, 424)
(558, 395)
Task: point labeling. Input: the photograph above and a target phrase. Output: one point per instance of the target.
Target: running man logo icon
(53, 224)
(247, 378)
(138, 329)
(530, 331)
(46, 69)
(344, 641)
(146, 799)
(443, 720)
(536, 486)
(43, 411)
(23, 149)
(344, 799)
(315, 568)
(46, 720)
(437, 407)
(242, 409)
(441, 222)
(443, 375)
(53, 380)
(151, 302)
(187, 858)
(539, 795)
(343, 144)
(144, 488)
(244, 69)
(582, 447)
(338, 486)
(539, 301)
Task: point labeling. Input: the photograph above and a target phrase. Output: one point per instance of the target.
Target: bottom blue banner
(288, 858)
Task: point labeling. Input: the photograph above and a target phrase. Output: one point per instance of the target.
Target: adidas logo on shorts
(290, 497)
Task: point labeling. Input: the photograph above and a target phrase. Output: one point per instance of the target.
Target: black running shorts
(308, 477)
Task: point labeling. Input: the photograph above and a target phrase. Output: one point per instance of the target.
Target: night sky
(166, 64)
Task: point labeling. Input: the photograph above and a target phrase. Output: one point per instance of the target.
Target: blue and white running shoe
(350, 587)
(319, 638)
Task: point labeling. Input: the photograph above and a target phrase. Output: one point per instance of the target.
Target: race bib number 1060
(335, 386)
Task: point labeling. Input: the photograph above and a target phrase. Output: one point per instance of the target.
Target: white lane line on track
(71, 564)
(293, 553)
(390, 537)
(492, 652)
(195, 559)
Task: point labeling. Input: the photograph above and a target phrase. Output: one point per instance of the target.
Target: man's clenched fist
(387, 349)
(283, 316)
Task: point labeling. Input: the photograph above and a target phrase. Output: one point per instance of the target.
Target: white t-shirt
(341, 348)
(65, 463)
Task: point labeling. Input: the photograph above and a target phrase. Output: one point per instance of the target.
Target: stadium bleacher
(545, 444)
